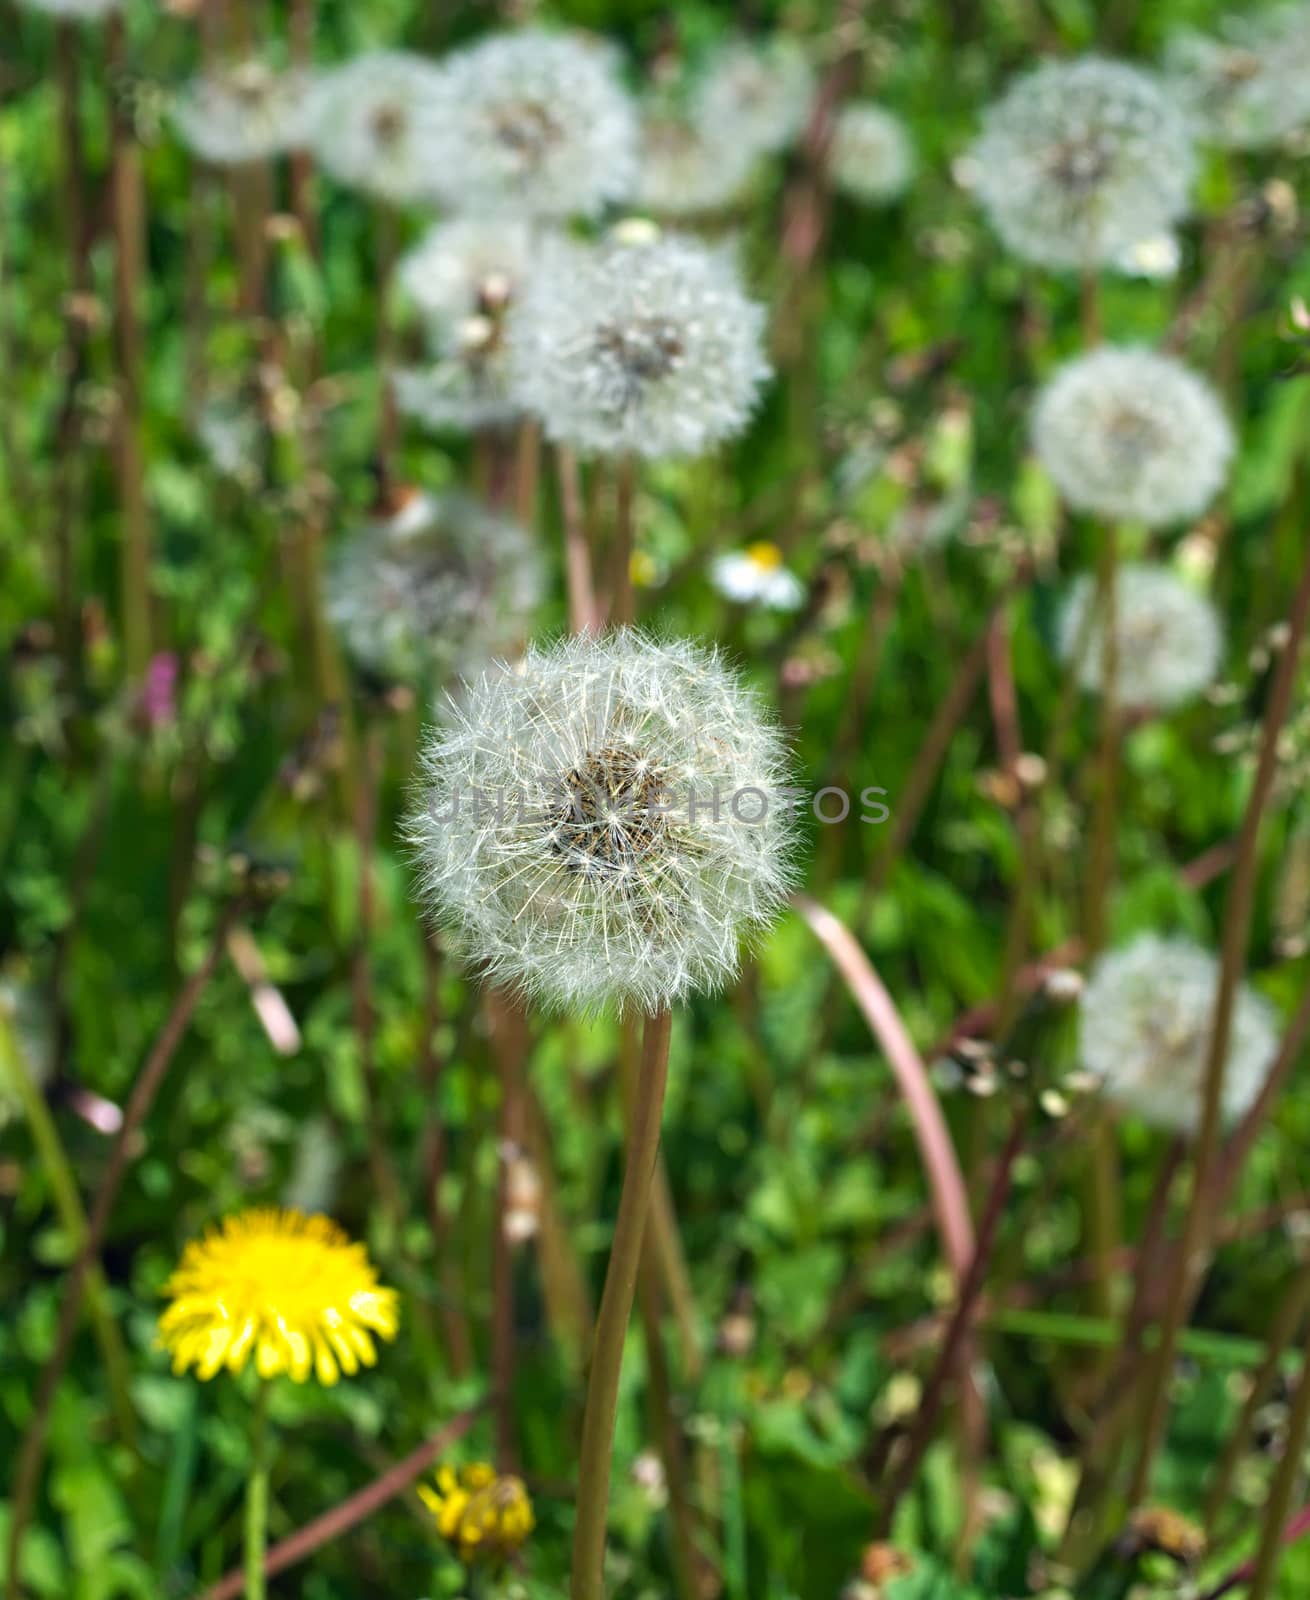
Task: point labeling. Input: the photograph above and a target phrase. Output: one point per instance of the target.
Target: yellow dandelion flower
(291, 1290)
(484, 1515)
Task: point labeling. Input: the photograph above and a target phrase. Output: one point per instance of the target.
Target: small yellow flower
(292, 1290)
(485, 1516)
(765, 554)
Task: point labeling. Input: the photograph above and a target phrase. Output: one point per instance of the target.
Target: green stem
(588, 1582)
(1269, 1556)
(68, 1203)
(257, 1496)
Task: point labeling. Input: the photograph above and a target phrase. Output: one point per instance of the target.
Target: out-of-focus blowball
(291, 1291)
(1157, 258)
(649, 348)
(757, 576)
(486, 1516)
(686, 172)
(371, 124)
(244, 112)
(1132, 435)
(1144, 1026)
(1080, 161)
(871, 156)
(436, 591)
(570, 835)
(755, 96)
(463, 275)
(467, 267)
(1252, 86)
(534, 123)
(74, 10)
(1168, 638)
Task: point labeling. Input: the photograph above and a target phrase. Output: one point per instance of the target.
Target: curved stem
(587, 1581)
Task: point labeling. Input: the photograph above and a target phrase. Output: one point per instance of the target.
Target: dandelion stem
(509, 1037)
(1102, 1193)
(257, 1496)
(577, 552)
(625, 491)
(68, 1204)
(128, 230)
(1238, 912)
(587, 1580)
(388, 416)
(1269, 1555)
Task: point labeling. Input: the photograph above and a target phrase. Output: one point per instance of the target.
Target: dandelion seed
(602, 827)
(370, 124)
(870, 156)
(243, 113)
(290, 1290)
(1168, 638)
(1134, 436)
(1144, 1029)
(1250, 87)
(757, 575)
(442, 588)
(1081, 160)
(649, 349)
(534, 123)
(486, 1516)
(685, 171)
(755, 97)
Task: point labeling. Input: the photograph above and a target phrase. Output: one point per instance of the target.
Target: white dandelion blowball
(244, 112)
(1132, 435)
(755, 96)
(1144, 1025)
(467, 267)
(434, 592)
(1168, 638)
(74, 10)
(1080, 161)
(1250, 87)
(645, 348)
(870, 157)
(602, 827)
(465, 387)
(685, 170)
(370, 124)
(535, 123)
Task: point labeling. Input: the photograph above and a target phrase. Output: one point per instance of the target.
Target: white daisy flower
(757, 576)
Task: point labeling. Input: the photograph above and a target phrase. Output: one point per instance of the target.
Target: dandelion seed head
(1079, 161)
(291, 1291)
(1250, 87)
(371, 124)
(74, 10)
(755, 96)
(569, 835)
(650, 349)
(440, 589)
(1168, 638)
(871, 156)
(685, 171)
(466, 266)
(536, 123)
(1144, 1030)
(244, 112)
(1132, 435)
